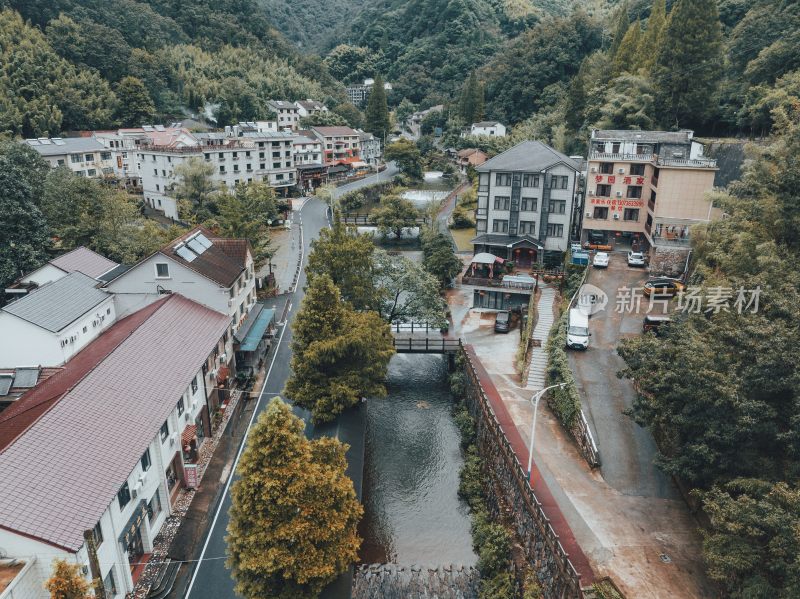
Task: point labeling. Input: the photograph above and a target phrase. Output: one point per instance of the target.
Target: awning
(359, 164)
(257, 330)
(189, 433)
(486, 258)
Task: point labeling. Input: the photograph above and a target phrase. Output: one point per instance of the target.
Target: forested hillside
(79, 64)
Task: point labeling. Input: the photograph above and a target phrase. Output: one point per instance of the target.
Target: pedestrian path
(544, 322)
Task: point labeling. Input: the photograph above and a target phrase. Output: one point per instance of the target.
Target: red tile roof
(85, 428)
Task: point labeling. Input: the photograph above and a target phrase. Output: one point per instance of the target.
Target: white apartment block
(288, 114)
(340, 145)
(526, 197)
(84, 156)
(307, 150)
(99, 509)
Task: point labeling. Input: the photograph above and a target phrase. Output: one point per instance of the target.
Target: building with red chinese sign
(646, 188)
(340, 145)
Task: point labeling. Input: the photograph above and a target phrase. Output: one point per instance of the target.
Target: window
(634, 191)
(124, 495)
(110, 583)
(89, 157)
(74, 158)
(559, 182)
(276, 165)
(263, 166)
(105, 155)
(607, 168)
(145, 460)
(162, 270)
(154, 508)
(97, 534)
(222, 170)
(529, 204)
(530, 180)
(180, 406)
(500, 226)
(554, 230)
(502, 203)
(91, 172)
(60, 162)
(637, 170)
(276, 154)
(164, 431)
(194, 384)
(604, 191)
(503, 179)
(601, 212)
(235, 168)
(527, 227)
(557, 206)
(85, 329)
(108, 310)
(171, 476)
(155, 172)
(631, 214)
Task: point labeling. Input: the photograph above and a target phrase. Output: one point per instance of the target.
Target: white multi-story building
(525, 204)
(249, 156)
(370, 148)
(52, 323)
(340, 145)
(93, 459)
(307, 149)
(84, 156)
(288, 113)
(210, 270)
(308, 107)
(488, 128)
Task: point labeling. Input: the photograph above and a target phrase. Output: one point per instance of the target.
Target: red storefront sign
(617, 204)
(190, 471)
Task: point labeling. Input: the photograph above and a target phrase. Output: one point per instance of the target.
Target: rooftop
(216, 258)
(531, 156)
(57, 304)
(331, 131)
(105, 406)
(84, 260)
(57, 146)
(311, 104)
(676, 137)
(283, 104)
(486, 124)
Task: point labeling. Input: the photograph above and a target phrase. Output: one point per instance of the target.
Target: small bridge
(426, 345)
(367, 220)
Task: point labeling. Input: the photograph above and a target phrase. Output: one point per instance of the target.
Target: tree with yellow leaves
(66, 581)
(294, 514)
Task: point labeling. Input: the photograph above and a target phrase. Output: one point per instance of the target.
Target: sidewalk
(647, 545)
(286, 244)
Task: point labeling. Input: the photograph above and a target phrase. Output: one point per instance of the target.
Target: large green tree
(247, 214)
(294, 512)
(407, 156)
(338, 355)
(196, 189)
(470, 104)
(135, 107)
(376, 114)
(408, 292)
(394, 215)
(439, 258)
(25, 234)
(689, 65)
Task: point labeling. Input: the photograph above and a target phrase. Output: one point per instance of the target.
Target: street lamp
(535, 401)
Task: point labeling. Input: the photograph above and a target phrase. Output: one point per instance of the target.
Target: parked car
(600, 260)
(578, 329)
(654, 323)
(503, 322)
(635, 259)
(663, 287)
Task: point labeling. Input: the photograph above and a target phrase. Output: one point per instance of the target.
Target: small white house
(488, 128)
(308, 107)
(92, 460)
(50, 324)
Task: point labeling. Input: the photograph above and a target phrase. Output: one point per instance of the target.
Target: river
(412, 513)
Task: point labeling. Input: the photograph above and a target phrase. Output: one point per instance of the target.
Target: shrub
(466, 426)
(566, 402)
(500, 586)
(470, 484)
(493, 545)
(462, 219)
(458, 384)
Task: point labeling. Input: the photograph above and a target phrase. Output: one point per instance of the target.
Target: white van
(578, 329)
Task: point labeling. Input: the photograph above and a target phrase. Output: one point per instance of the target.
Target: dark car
(663, 287)
(503, 322)
(654, 323)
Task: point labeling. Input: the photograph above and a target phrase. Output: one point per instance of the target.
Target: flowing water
(412, 513)
(433, 188)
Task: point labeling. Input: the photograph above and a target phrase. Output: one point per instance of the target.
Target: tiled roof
(223, 262)
(61, 474)
(57, 304)
(531, 156)
(84, 260)
(331, 131)
(677, 137)
(310, 104)
(486, 124)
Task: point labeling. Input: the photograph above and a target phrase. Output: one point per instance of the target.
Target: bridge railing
(426, 345)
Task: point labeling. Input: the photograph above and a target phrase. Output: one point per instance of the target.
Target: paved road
(211, 579)
(626, 449)
(382, 177)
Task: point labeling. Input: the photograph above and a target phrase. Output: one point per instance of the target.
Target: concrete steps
(538, 365)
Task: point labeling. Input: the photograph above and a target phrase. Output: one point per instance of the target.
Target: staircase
(544, 322)
(164, 580)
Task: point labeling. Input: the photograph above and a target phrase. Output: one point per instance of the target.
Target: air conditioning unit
(588, 214)
(616, 216)
(619, 194)
(222, 357)
(142, 479)
(213, 374)
(172, 438)
(621, 171)
(135, 490)
(594, 169)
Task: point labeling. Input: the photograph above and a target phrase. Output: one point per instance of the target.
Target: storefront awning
(486, 258)
(257, 330)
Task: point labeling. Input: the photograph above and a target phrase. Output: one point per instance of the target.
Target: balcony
(619, 157)
(686, 162)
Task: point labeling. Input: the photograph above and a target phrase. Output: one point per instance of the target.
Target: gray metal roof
(57, 304)
(529, 156)
(66, 145)
(677, 137)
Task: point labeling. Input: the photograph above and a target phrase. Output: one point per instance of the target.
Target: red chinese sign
(616, 204)
(190, 471)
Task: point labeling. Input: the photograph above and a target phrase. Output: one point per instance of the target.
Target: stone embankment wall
(512, 499)
(390, 581)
